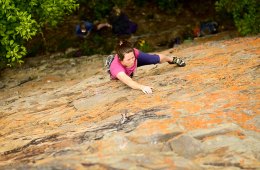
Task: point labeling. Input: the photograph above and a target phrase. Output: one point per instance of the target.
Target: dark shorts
(147, 59)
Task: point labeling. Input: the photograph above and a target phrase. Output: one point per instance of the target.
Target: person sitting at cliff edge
(205, 28)
(84, 29)
(123, 65)
(121, 24)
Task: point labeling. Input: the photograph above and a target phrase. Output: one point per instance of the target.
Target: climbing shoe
(178, 61)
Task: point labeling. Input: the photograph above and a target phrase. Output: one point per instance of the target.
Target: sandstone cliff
(66, 114)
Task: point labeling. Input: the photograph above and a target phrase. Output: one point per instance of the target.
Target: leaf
(13, 59)
(16, 48)
(11, 42)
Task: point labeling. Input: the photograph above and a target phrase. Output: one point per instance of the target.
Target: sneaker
(178, 61)
(108, 62)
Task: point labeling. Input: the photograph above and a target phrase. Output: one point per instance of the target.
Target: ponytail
(123, 47)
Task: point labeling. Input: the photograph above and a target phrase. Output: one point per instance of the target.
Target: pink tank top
(117, 67)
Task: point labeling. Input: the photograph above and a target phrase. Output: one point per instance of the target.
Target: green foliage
(167, 5)
(246, 14)
(140, 3)
(100, 8)
(21, 20)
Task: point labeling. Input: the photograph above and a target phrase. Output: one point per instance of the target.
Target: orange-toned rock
(71, 117)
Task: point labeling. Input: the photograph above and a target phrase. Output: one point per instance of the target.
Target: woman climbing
(127, 59)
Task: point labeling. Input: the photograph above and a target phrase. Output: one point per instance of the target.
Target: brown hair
(122, 48)
(82, 25)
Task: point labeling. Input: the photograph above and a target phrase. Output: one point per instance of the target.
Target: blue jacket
(88, 26)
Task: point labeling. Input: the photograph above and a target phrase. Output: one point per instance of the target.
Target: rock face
(67, 114)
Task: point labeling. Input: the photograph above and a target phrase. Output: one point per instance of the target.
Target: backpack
(207, 28)
(108, 62)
